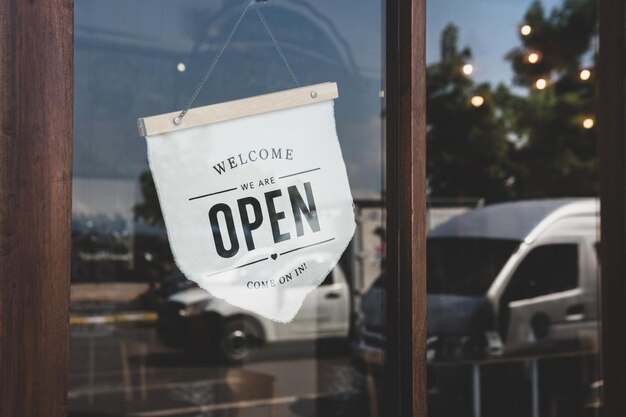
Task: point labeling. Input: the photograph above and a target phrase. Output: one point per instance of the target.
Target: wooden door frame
(405, 200)
(36, 95)
(612, 162)
(36, 76)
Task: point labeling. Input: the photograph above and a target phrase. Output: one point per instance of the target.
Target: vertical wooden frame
(406, 208)
(612, 161)
(35, 205)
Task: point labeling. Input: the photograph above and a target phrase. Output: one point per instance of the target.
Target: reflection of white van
(509, 278)
(193, 318)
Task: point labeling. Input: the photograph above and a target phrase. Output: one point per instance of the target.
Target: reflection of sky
(126, 67)
(488, 27)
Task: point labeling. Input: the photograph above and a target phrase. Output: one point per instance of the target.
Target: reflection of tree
(561, 39)
(558, 157)
(148, 210)
(517, 146)
(154, 256)
(469, 154)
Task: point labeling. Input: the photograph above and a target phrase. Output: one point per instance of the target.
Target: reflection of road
(125, 371)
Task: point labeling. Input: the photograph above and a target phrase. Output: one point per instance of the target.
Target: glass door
(145, 340)
(512, 168)
(511, 177)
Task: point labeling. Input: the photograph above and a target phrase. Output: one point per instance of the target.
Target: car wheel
(239, 338)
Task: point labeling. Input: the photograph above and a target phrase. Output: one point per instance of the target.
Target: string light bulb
(468, 69)
(588, 123)
(525, 30)
(541, 83)
(533, 57)
(477, 101)
(585, 74)
(181, 67)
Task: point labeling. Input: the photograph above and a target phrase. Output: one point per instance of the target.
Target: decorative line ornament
(255, 196)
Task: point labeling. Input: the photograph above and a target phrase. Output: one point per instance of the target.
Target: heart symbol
(274, 256)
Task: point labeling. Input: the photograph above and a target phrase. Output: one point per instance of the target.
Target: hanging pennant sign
(255, 196)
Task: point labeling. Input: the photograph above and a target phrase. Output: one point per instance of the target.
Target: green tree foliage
(468, 151)
(558, 155)
(560, 38)
(527, 145)
(149, 209)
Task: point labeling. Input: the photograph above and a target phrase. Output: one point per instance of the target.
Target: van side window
(545, 270)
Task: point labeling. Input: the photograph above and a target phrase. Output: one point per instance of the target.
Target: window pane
(547, 269)
(512, 184)
(146, 341)
(476, 262)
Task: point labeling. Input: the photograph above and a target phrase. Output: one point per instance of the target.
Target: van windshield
(465, 266)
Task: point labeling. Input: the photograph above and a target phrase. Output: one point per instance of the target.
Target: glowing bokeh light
(533, 57)
(585, 74)
(477, 101)
(541, 83)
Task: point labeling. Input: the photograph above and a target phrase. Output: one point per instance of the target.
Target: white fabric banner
(258, 209)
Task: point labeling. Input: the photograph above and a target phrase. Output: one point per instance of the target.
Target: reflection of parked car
(157, 296)
(194, 319)
(509, 278)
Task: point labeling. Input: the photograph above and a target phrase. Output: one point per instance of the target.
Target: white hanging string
(179, 119)
(276, 45)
